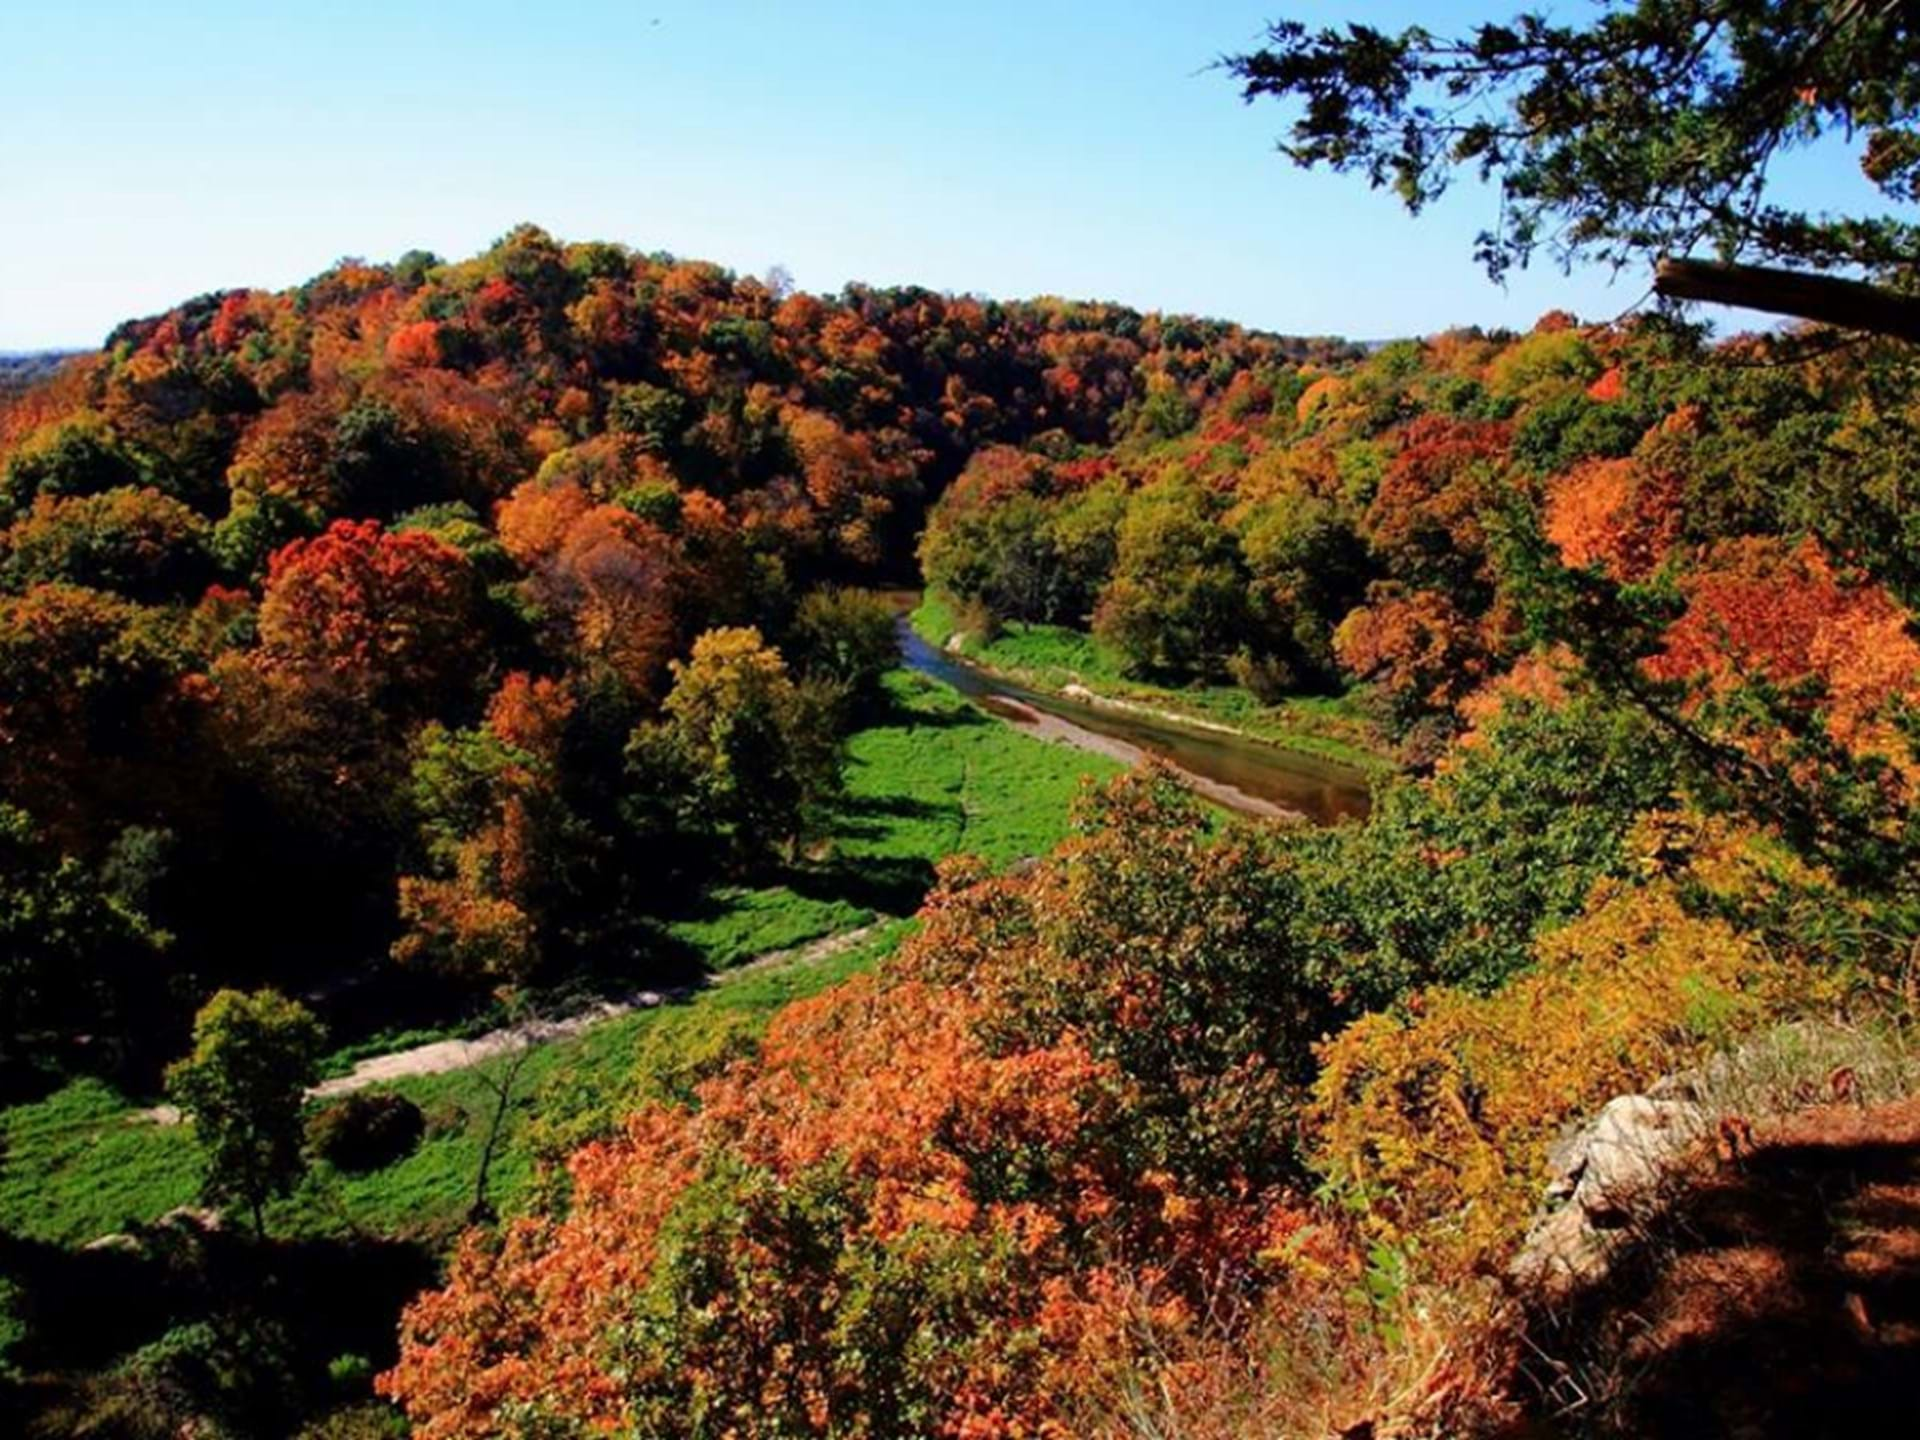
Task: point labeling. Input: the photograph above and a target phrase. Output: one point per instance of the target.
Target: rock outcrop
(1603, 1177)
(1611, 1175)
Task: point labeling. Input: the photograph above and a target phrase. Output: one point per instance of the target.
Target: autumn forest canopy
(373, 601)
(445, 621)
(448, 644)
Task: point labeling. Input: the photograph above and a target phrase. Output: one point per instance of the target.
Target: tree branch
(1850, 304)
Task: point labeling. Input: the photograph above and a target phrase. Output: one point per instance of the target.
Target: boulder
(1630, 1149)
(1602, 1177)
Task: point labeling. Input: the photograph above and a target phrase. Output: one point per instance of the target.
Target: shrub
(1268, 678)
(366, 1131)
(446, 1117)
(1439, 1117)
(350, 1374)
(200, 1378)
(1449, 881)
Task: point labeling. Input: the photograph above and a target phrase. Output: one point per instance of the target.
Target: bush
(351, 1374)
(204, 1378)
(1440, 1117)
(446, 1117)
(1450, 881)
(1268, 678)
(366, 1131)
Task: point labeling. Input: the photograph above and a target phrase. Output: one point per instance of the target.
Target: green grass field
(1050, 657)
(930, 776)
(938, 777)
(733, 924)
(83, 1162)
(933, 777)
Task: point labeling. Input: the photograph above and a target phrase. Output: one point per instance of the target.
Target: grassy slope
(1048, 657)
(732, 925)
(81, 1163)
(934, 777)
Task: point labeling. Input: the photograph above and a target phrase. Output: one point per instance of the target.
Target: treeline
(361, 619)
(20, 370)
(1330, 526)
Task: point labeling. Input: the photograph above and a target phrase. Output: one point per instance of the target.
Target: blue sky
(161, 150)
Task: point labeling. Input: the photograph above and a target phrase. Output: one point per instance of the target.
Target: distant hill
(22, 368)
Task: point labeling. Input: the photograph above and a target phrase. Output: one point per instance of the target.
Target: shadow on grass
(891, 885)
(266, 1320)
(897, 716)
(864, 818)
(23, 1081)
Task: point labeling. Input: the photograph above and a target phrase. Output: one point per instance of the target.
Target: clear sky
(159, 150)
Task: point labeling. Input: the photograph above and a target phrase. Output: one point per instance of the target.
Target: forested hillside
(1185, 1131)
(360, 603)
(21, 369)
(438, 630)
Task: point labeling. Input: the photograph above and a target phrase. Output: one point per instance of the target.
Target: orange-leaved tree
(933, 1201)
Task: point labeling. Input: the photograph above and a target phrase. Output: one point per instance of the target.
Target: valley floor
(932, 777)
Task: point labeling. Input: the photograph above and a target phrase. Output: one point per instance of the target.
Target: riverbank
(1054, 660)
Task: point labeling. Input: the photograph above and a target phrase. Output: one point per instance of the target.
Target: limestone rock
(1601, 1177)
(1629, 1150)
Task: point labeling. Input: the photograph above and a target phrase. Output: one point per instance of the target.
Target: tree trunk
(482, 1211)
(1849, 304)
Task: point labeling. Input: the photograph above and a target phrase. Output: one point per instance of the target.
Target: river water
(1230, 770)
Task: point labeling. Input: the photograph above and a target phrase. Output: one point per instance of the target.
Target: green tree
(139, 543)
(844, 637)
(81, 455)
(66, 933)
(1084, 531)
(999, 555)
(1177, 604)
(653, 416)
(1644, 130)
(253, 1057)
(1308, 568)
(1451, 878)
(758, 749)
(382, 462)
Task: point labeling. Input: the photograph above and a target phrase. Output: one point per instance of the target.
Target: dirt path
(441, 1056)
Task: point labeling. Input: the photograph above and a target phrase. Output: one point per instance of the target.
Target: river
(1231, 770)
